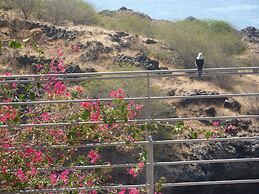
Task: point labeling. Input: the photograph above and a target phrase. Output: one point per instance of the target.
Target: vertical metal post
(148, 106)
(151, 165)
(150, 151)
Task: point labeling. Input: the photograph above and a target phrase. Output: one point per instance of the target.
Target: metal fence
(149, 142)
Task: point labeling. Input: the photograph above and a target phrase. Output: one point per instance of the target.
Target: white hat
(200, 56)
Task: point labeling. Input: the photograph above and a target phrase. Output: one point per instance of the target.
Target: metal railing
(149, 142)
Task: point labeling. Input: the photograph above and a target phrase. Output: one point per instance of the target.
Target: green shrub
(133, 88)
(24, 7)
(251, 61)
(77, 11)
(56, 11)
(129, 23)
(216, 39)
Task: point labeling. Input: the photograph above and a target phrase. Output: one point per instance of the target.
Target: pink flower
(45, 116)
(60, 52)
(86, 105)
(64, 176)
(38, 67)
(29, 152)
(53, 179)
(132, 172)
(141, 165)
(4, 170)
(90, 183)
(215, 123)
(59, 88)
(33, 171)
(61, 66)
(133, 191)
(95, 116)
(123, 191)
(14, 85)
(37, 157)
(79, 89)
(94, 156)
(7, 113)
(133, 109)
(20, 174)
(117, 94)
(93, 192)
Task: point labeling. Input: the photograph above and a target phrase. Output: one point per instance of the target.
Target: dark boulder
(216, 100)
(210, 111)
(73, 69)
(90, 70)
(171, 92)
(123, 9)
(251, 33)
(232, 104)
(140, 60)
(191, 18)
(94, 51)
(26, 60)
(4, 23)
(150, 41)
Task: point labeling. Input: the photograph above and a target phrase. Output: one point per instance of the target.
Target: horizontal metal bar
(92, 145)
(83, 189)
(133, 98)
(109, 166)
(130, 72)
(206, 183)
(231, 139)
(213, 161)
(88, 167)
(125, 77)
(135, 121)
(71, 79)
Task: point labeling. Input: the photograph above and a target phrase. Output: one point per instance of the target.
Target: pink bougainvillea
(25, 152)
(94, 156)
(133, 191)
(117, 93)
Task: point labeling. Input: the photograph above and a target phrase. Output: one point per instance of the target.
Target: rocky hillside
(93, 48)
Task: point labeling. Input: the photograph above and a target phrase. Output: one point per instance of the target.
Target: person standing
(199, 63)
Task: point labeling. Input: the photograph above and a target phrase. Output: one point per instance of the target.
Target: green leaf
(208, 134)
(32, 96)
(194, 135)
(85, 115)
(15, 44)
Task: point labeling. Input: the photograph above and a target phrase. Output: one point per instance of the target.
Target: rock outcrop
(125, 10)
(94, 51)
(26, 60)
(229, 103)
(251, 33)
(209, 172)
(140, 60)
(51, 32)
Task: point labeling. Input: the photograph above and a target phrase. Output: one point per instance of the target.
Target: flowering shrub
(27, 161)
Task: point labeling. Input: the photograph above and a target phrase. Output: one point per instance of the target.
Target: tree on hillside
(78, 11)
(25, 7)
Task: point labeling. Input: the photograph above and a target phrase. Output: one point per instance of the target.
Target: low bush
(216, 39)
(77, 11)
(55, 11)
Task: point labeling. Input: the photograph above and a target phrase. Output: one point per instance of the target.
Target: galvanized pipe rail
(197, 97)
(150, 165)
(6, 81)
(138, 121)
